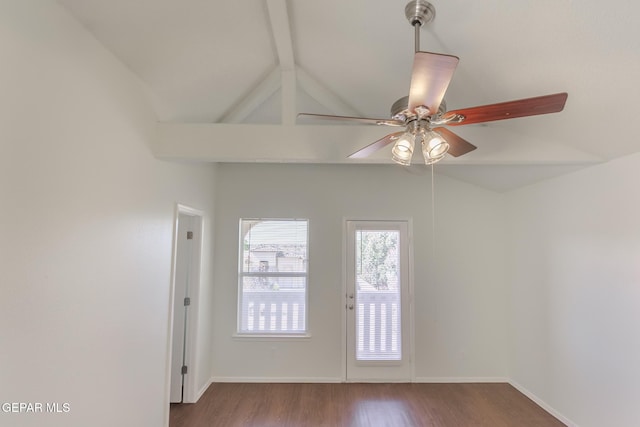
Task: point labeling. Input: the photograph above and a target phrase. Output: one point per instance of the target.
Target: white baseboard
(202, 390)
(541, 403)
(340, 380)
(276, 380)
(460, 380)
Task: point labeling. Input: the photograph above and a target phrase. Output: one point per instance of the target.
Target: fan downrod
(419, 12)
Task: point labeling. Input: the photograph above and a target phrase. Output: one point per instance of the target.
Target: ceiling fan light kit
(434, 146)
(402, 150)
(423, 111)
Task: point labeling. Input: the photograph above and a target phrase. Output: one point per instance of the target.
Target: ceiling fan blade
(430, 78)
(457, 145)
(375, 146)
(510, 110)
(363, 120)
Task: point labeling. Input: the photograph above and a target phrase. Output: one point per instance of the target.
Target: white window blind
(378, 296)
(273, 276)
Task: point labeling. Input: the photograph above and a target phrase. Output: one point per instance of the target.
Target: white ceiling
(257, 63)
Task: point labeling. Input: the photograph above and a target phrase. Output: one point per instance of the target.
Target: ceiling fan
(423, 112)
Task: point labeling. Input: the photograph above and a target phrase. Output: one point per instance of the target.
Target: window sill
(271, 337)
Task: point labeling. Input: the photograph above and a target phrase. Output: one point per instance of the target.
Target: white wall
(575, 304)
(85, 229)
(460, 295)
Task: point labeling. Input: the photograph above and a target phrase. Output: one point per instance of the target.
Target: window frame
(242, 274)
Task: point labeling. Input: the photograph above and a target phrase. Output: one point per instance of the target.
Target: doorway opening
(185, 286)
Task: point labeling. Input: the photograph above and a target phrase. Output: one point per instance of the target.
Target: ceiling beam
(281, 30)
(333, 144)
(288, 92)
(256, 97)
(285, 77)
(264, 143)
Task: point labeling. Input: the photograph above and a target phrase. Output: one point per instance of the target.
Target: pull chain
(433, 214)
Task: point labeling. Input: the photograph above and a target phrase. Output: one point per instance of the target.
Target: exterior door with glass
(377, 301)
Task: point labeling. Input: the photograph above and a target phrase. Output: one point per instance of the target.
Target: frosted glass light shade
(434, 147)
(403, 149)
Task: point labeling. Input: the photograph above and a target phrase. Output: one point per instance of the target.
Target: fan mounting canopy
(419, 12)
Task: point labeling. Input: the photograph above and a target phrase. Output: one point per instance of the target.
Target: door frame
(410, 287)
(191, 334)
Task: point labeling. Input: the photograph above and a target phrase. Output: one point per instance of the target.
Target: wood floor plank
(355, 405)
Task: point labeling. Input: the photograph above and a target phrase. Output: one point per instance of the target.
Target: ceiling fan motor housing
(419, 12)
(400, 109)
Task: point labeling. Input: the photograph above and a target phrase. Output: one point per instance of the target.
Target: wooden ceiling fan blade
(362, 120)
(457, 145)
(375, 146)
(430, 79)
(510, 110)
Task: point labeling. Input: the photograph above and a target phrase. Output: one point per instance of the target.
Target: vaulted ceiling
(227, 78)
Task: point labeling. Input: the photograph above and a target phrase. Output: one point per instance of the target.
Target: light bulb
(434, 147)
(403, 149)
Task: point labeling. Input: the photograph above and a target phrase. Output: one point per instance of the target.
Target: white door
(377, 301)
(183, 267)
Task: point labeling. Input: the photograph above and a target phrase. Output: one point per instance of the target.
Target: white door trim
(410, 286)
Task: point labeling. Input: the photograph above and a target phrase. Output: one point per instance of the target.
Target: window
(273, 273)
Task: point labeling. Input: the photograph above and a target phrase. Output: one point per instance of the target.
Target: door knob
(350, 306)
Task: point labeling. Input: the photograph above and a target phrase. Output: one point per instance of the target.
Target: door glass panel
(378, 317)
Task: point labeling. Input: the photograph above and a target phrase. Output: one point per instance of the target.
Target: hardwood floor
(388, 405)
